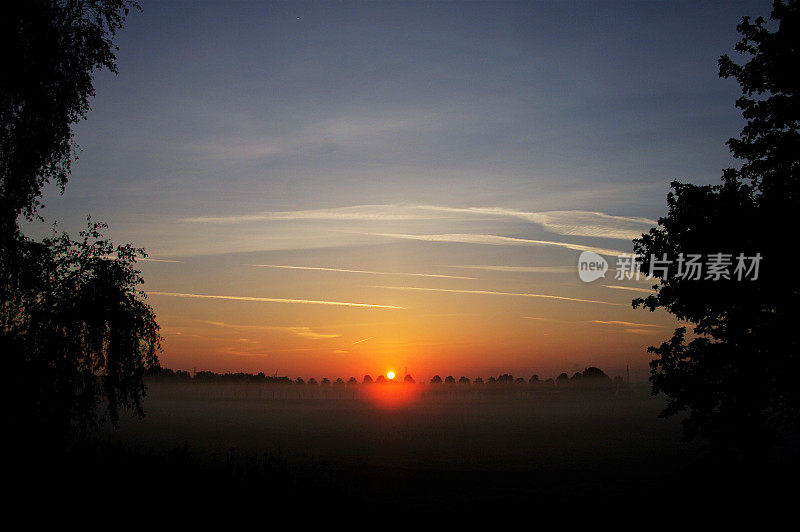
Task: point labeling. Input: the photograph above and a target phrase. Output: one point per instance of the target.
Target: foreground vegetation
(452, 449)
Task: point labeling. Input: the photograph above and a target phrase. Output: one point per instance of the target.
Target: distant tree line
(591, 376)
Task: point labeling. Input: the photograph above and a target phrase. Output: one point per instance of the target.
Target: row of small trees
(590, 375)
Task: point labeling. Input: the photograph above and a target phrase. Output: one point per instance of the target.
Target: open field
(443, 444)
(439, 429)
(444, 448)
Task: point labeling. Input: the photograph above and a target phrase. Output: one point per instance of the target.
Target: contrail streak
(496, 240)
(528, 269)
(630, 288)
(627, 324)
(275, 300)
(489, 292)
(358, 271)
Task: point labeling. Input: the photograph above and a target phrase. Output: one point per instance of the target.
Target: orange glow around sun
(391, 394)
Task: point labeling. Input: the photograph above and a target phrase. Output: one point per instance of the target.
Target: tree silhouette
(737, 378)
(591, 377)
(408, 379)
(463, 380)
(52, 50)
(76, 334)
(352, 380)
(449, 379)
(366, 380)
(436, 380)
(562, 379)
(595, 375)
(74, 327)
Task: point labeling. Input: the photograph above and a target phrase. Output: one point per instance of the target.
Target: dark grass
(447, 454)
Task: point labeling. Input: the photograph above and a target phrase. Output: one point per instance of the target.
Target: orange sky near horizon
(417, 314)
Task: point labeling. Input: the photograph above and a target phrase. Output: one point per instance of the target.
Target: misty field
(436, 443)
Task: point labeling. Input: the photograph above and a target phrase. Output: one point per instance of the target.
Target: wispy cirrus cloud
(592, 224)
(639, 331)
(572, 222)
(629, 288)
(369, 272)
(273, 300)
(541, 318)
(565, 222)
(494, 293)
(303, 331)
(259, 351)
(626, 324)
(353, 213)
(529, 269)
(496, 240)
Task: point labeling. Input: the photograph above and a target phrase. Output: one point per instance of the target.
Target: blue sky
(400, 138)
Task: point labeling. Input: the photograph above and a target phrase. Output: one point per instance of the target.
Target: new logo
(591, 266)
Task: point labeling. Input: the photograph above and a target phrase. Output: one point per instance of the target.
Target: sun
(390, 375)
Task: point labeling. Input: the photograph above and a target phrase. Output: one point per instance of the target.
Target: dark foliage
(736, 378)
(74, 326)
(77, 333)
(51, 49)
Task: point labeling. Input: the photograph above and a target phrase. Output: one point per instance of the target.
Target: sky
(338, 189)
